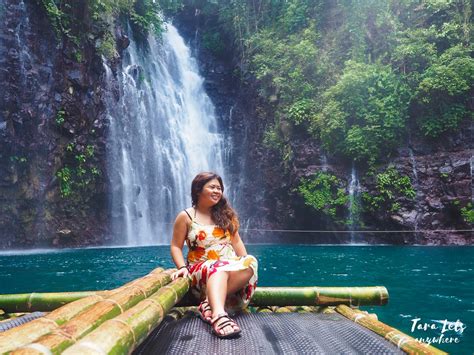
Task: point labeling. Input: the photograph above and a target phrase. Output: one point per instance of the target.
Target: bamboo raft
(120, 321)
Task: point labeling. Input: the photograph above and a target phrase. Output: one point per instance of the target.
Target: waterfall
(228, 144)
(163, 131)
(235, 161)
(22, 67)
(324, 163)
(24, 58)
(353, 202)
(416, 186)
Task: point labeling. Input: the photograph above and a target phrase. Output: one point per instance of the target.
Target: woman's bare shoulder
(184, 215)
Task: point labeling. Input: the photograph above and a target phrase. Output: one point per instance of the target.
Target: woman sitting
(222, 274)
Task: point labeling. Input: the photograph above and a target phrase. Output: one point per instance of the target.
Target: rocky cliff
(50, 122)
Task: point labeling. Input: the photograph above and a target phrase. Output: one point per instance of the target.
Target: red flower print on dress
(249, 291)
(201, 235)
(204, 273)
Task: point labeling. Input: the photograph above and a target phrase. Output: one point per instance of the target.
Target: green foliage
(79, 173)
(443, 91)
(60, 117)
(363, 115)
(78, 56)
(295, 15)
(301, 111)
(81, 158)
(467, 213)
(443, 118)
(415, 51)
(107, 9)
(65, 184)
(391, 187)
(146, 15)
(84, 21)
(287, 155)
(356, 74)
(57, 17)
(89, 151)
(444, 176)
(286, 67)
(212, 40)
(324, 192)
(106, 46)
(272, 139)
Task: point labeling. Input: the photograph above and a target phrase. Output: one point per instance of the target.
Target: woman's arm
(180, 229)
(238, 245)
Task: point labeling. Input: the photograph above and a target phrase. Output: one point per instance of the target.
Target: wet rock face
(441, 173)
(48, 101)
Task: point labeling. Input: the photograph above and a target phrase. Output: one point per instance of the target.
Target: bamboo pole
(401, 340)
(126, 297)
(319, 296)
(264, 296)
(29, 332)
(62, 316)
(48, 301)
(124, 333)
(31, 302)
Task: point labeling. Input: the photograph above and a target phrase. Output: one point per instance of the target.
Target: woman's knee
(248, 271)
(219, 275)
(242, 274)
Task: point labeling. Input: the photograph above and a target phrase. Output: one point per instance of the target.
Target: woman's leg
(216, 290)
(238, 279)
(216, 293)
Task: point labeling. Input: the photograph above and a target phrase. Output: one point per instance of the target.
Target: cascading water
(235, 161)
(416, 187)
(324, 163)
(24, 58)
(163, 131)
(24, 70)
(353, 203)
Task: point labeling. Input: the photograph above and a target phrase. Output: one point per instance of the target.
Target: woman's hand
(183, 272)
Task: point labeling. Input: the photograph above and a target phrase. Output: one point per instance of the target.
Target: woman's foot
(205, 311)
(224, 327)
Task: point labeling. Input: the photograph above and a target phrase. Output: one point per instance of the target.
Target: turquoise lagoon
(429, 287)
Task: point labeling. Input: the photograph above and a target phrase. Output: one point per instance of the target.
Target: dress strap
(188, 215)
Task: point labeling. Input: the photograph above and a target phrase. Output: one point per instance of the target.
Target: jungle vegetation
(360, 77)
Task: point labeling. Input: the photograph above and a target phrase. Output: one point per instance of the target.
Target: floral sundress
(210, 250)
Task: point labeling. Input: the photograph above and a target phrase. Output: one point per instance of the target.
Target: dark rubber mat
(268, 333)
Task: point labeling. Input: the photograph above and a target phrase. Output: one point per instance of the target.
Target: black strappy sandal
(217, 328)
(202, 309)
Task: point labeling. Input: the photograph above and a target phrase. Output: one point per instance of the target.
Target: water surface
(430, 283)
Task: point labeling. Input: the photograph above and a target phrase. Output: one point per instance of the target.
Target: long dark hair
(222, 213)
